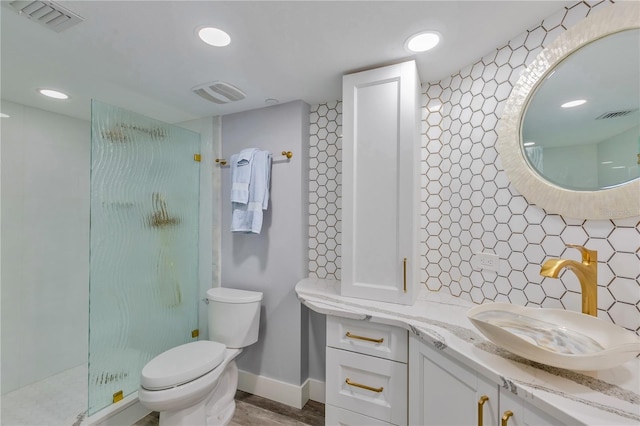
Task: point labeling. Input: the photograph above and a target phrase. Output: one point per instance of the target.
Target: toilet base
(216, 409)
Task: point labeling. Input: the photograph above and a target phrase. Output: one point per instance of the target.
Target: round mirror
(581, 129)
(569, 135)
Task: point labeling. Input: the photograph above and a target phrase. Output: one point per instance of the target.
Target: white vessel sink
(556, 337)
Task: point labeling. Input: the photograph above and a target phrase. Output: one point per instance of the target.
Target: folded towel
(248, 217)
(241, 174)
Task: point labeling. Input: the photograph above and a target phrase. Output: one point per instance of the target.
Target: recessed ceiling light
(214, 36)
(572, 104)
(422, 42)
(53, 94)
(3, 115)
(271, 101)
(529, 143)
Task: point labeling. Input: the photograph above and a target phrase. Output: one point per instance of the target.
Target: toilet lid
(182, 364)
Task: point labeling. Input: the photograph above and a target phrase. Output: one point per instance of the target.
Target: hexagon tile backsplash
(469, 205)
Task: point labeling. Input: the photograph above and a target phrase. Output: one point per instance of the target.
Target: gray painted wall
(276, 259)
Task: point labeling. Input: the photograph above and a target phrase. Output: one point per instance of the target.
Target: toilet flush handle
(205, 300)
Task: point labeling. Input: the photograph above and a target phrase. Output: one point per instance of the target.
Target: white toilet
(195, 383)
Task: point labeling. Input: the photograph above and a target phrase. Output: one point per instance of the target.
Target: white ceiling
(145, 56)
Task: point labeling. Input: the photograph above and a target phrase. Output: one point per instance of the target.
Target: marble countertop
(608, 397)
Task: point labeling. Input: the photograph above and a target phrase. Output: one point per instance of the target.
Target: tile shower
(468, 203)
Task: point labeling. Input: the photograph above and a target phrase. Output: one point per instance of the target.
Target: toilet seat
(182, 364)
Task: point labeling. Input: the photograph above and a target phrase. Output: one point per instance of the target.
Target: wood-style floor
(252, 410)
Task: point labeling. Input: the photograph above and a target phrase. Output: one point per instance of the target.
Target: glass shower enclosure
(144, 247)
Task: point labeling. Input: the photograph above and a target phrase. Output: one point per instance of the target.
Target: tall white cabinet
(381, 149)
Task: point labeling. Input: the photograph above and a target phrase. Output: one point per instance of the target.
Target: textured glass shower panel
(144, 240)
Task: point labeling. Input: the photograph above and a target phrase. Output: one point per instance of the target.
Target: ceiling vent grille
(219, 92)
(616, 114)
(47, 13)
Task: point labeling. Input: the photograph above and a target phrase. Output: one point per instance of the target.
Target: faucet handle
(588, 256)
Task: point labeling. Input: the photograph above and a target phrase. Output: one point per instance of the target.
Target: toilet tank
(234, 316)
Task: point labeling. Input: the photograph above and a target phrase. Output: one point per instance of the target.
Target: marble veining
(598, 405)
(509, 385)
(323, 296)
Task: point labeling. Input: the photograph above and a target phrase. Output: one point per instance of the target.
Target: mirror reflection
(581, 130)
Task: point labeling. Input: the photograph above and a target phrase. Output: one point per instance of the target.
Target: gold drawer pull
(505, 417)
(358, 385)
(368, 339)
(481, 401)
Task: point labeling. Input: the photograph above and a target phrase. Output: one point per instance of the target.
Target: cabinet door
(381, 149)
(522, 413)
(443, 392)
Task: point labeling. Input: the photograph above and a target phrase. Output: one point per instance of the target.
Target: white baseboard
(316, 390)
(285, 393)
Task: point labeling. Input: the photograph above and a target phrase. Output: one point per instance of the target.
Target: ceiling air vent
(616, 114)
(47, 13)
(219, 92)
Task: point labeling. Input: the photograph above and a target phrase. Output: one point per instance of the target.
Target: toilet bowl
(195, 383)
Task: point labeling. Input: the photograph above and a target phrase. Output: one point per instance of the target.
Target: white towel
(241, 174)
(248, 217)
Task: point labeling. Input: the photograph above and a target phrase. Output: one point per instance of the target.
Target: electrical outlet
(488, 261)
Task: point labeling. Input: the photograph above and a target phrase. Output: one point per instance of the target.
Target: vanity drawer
(336, 416)
(367, 385)
(369, 338)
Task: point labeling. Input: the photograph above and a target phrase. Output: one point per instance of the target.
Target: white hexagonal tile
(553, 288)
(625, 239)
(625, 315)
(534, 254)
(553, 224)
(517, 297)
(598, 228)
(626, 289)
(517, 242)
(517, 223)
(534, 293)
(517, 261)
(574, 235)
(626, 265)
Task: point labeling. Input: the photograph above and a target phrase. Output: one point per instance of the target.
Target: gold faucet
(586, 271)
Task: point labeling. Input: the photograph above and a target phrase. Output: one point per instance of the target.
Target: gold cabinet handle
(368, 339)
(505, 417)
(358, 385)
(404, 271)
(481, 401)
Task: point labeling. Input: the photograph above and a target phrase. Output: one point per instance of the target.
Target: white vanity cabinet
(443, 392)
(366, 379)
(380, 183)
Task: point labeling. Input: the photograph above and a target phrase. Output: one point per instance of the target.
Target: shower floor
(57, 400)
